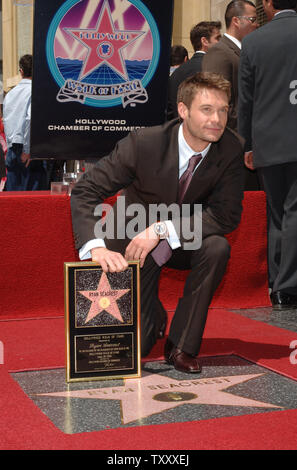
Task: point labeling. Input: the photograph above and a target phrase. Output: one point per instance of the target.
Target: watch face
(160, 229)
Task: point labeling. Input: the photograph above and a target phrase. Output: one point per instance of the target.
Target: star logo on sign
(152, 394)
(104, 44)
(104, 298)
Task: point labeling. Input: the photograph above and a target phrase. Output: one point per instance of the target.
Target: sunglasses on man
(252, 19)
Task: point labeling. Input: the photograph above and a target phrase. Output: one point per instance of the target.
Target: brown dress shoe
(181, 360)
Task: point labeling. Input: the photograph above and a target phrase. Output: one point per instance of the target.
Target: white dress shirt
(185, 153)
(285, 11)
(17, 115)
(233, 39)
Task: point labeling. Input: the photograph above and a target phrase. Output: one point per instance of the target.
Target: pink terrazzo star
(156, 393)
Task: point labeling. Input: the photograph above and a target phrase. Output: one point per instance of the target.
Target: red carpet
(24, 426)
(37, 344)
(32, 259)
(32, 294)
(245, 282)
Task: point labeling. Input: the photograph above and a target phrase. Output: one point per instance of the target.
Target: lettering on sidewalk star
(155, 393)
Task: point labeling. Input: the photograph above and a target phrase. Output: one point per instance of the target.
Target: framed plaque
(102, 322)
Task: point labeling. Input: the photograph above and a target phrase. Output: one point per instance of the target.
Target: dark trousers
(207, 267)
(20, 177)
(280, 185)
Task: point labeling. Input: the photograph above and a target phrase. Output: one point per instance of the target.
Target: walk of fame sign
(100, 71)
(102, 317)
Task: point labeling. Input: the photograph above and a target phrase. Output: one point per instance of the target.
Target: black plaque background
(72, 330)
(46, 110)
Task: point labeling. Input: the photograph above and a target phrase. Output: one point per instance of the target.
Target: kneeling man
(190, 163)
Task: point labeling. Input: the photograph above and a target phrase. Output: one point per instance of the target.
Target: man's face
(214, 38)
(206, 119)
(246, 25)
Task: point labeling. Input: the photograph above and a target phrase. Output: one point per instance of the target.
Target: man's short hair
(188, 89)
(178, 55)
(202, 29)
(236, 8)
(284, 4)
(25, 65)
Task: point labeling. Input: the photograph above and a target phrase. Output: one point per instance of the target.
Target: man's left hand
(141, 245)
(25, 158)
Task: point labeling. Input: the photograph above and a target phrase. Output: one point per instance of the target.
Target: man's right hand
(110, 261)
(248, 160)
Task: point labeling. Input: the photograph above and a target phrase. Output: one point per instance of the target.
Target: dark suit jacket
(268, 66)
(223, 58)
(184, 71)
(146, 164)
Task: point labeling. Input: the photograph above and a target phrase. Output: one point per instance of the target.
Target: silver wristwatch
(160, 229)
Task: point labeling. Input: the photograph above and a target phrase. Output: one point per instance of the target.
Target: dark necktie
(186, 177)
(162, 253)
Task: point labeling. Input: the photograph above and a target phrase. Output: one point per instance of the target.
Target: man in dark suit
(203, 36)
(151, 166)
(268, 120)
(223, 58)
(178, 56)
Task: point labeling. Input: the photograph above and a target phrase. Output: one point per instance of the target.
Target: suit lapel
(203, 175)
(231, 45)
(169, 169)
